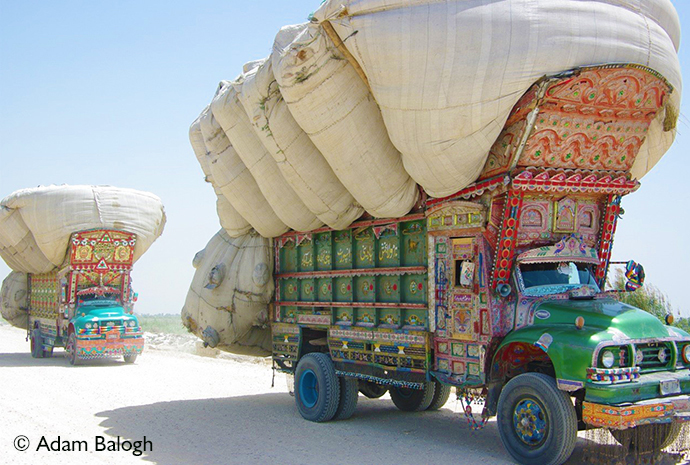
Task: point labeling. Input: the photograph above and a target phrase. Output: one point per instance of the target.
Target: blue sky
(104, 92)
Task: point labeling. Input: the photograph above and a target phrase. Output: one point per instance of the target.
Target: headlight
(88, 325)
(686, 353)
(132, 323)
(607, 358)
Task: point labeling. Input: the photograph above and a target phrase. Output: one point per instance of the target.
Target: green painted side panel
(324, 288)
(414, 289)
(364, 288)
(414, 243)
(364, 249)
(288, 258)
(343, 250)
(289, 290)
(324, 252)
(389, 251)
(388, 289)
(342, 289)
(306, 256)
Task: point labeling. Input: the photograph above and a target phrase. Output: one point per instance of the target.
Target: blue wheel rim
(529, 422)
(308, 388)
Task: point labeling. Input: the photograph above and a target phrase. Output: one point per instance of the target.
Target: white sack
(14, 299)
(234, 180)
(230, 220)
(36, 224)
(334, 107)
(302, 165)
(230, 293)
(230, 114)
(446, 74)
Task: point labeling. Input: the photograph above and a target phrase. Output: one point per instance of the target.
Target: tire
(72, 349)
(36, 343)
(536, 421)
(441, 395)
(413, 400)
(317, 388)
(648, 438)
(371, 389)
(130, 358)
(349, 393)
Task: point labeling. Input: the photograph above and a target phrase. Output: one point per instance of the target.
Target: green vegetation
(162, 323)
(650, 299)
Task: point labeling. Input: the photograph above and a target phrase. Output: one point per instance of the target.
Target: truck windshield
(553, 278)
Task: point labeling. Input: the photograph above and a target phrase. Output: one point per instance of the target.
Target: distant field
(169, 324)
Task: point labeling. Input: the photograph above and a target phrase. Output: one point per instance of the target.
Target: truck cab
(86, 307)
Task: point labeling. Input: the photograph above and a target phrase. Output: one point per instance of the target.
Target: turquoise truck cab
(86, 307)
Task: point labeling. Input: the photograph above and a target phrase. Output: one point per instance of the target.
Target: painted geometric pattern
(43, 300)
(597, 119)
(102, 250)
(625, 417)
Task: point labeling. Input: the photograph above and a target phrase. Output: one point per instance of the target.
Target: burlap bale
(36, 224)
(302, 165)
(230, 294)
(14, 299)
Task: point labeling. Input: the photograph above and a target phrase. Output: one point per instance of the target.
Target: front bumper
(103, 347)
(660, 397)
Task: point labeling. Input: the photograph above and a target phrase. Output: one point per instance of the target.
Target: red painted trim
(352, 304)
(355, 272)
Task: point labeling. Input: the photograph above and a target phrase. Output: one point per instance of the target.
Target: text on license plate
(112, 336)
(669, 386)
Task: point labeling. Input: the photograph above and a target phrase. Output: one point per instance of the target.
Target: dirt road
(203, 410)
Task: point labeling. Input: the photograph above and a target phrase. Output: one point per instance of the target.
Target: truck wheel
(317, 389)
(536, 421)
(349, 393)
(441, 395)
(413, 400)
(130, 358)
(372, 390)
(36, 343)
(647, 438)
(72, 349)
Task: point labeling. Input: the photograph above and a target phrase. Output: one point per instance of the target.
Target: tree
(648, 298)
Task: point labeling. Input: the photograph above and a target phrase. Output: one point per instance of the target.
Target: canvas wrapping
(302, 165)
(235, 181)
(231, 291)
(36, 224)
(230, 219)
(446, 74)
(231, 116)
(14, 299)
(334, 107)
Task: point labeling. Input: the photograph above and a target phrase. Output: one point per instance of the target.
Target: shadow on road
(267, 428)
(25, 360)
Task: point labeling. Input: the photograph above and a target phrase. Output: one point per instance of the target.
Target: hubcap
(308, 389)
(529, 422)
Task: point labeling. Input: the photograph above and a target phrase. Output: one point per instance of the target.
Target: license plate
(669, 386)
(113, 336)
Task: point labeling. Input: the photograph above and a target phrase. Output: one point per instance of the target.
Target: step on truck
(498, 290)
(86, 306)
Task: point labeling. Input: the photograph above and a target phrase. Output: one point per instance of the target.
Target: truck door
(462, 315)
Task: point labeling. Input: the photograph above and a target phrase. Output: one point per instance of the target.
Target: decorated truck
(86, 306)
(499, 289)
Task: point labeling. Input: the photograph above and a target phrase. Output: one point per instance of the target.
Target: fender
(568, 349)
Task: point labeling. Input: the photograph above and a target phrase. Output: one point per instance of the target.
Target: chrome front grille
(653, 356)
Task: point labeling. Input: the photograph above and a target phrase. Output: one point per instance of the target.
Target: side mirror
(634, 273)
(504, 290)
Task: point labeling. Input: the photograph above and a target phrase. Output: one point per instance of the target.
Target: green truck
(86, 306)
(498, 290)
